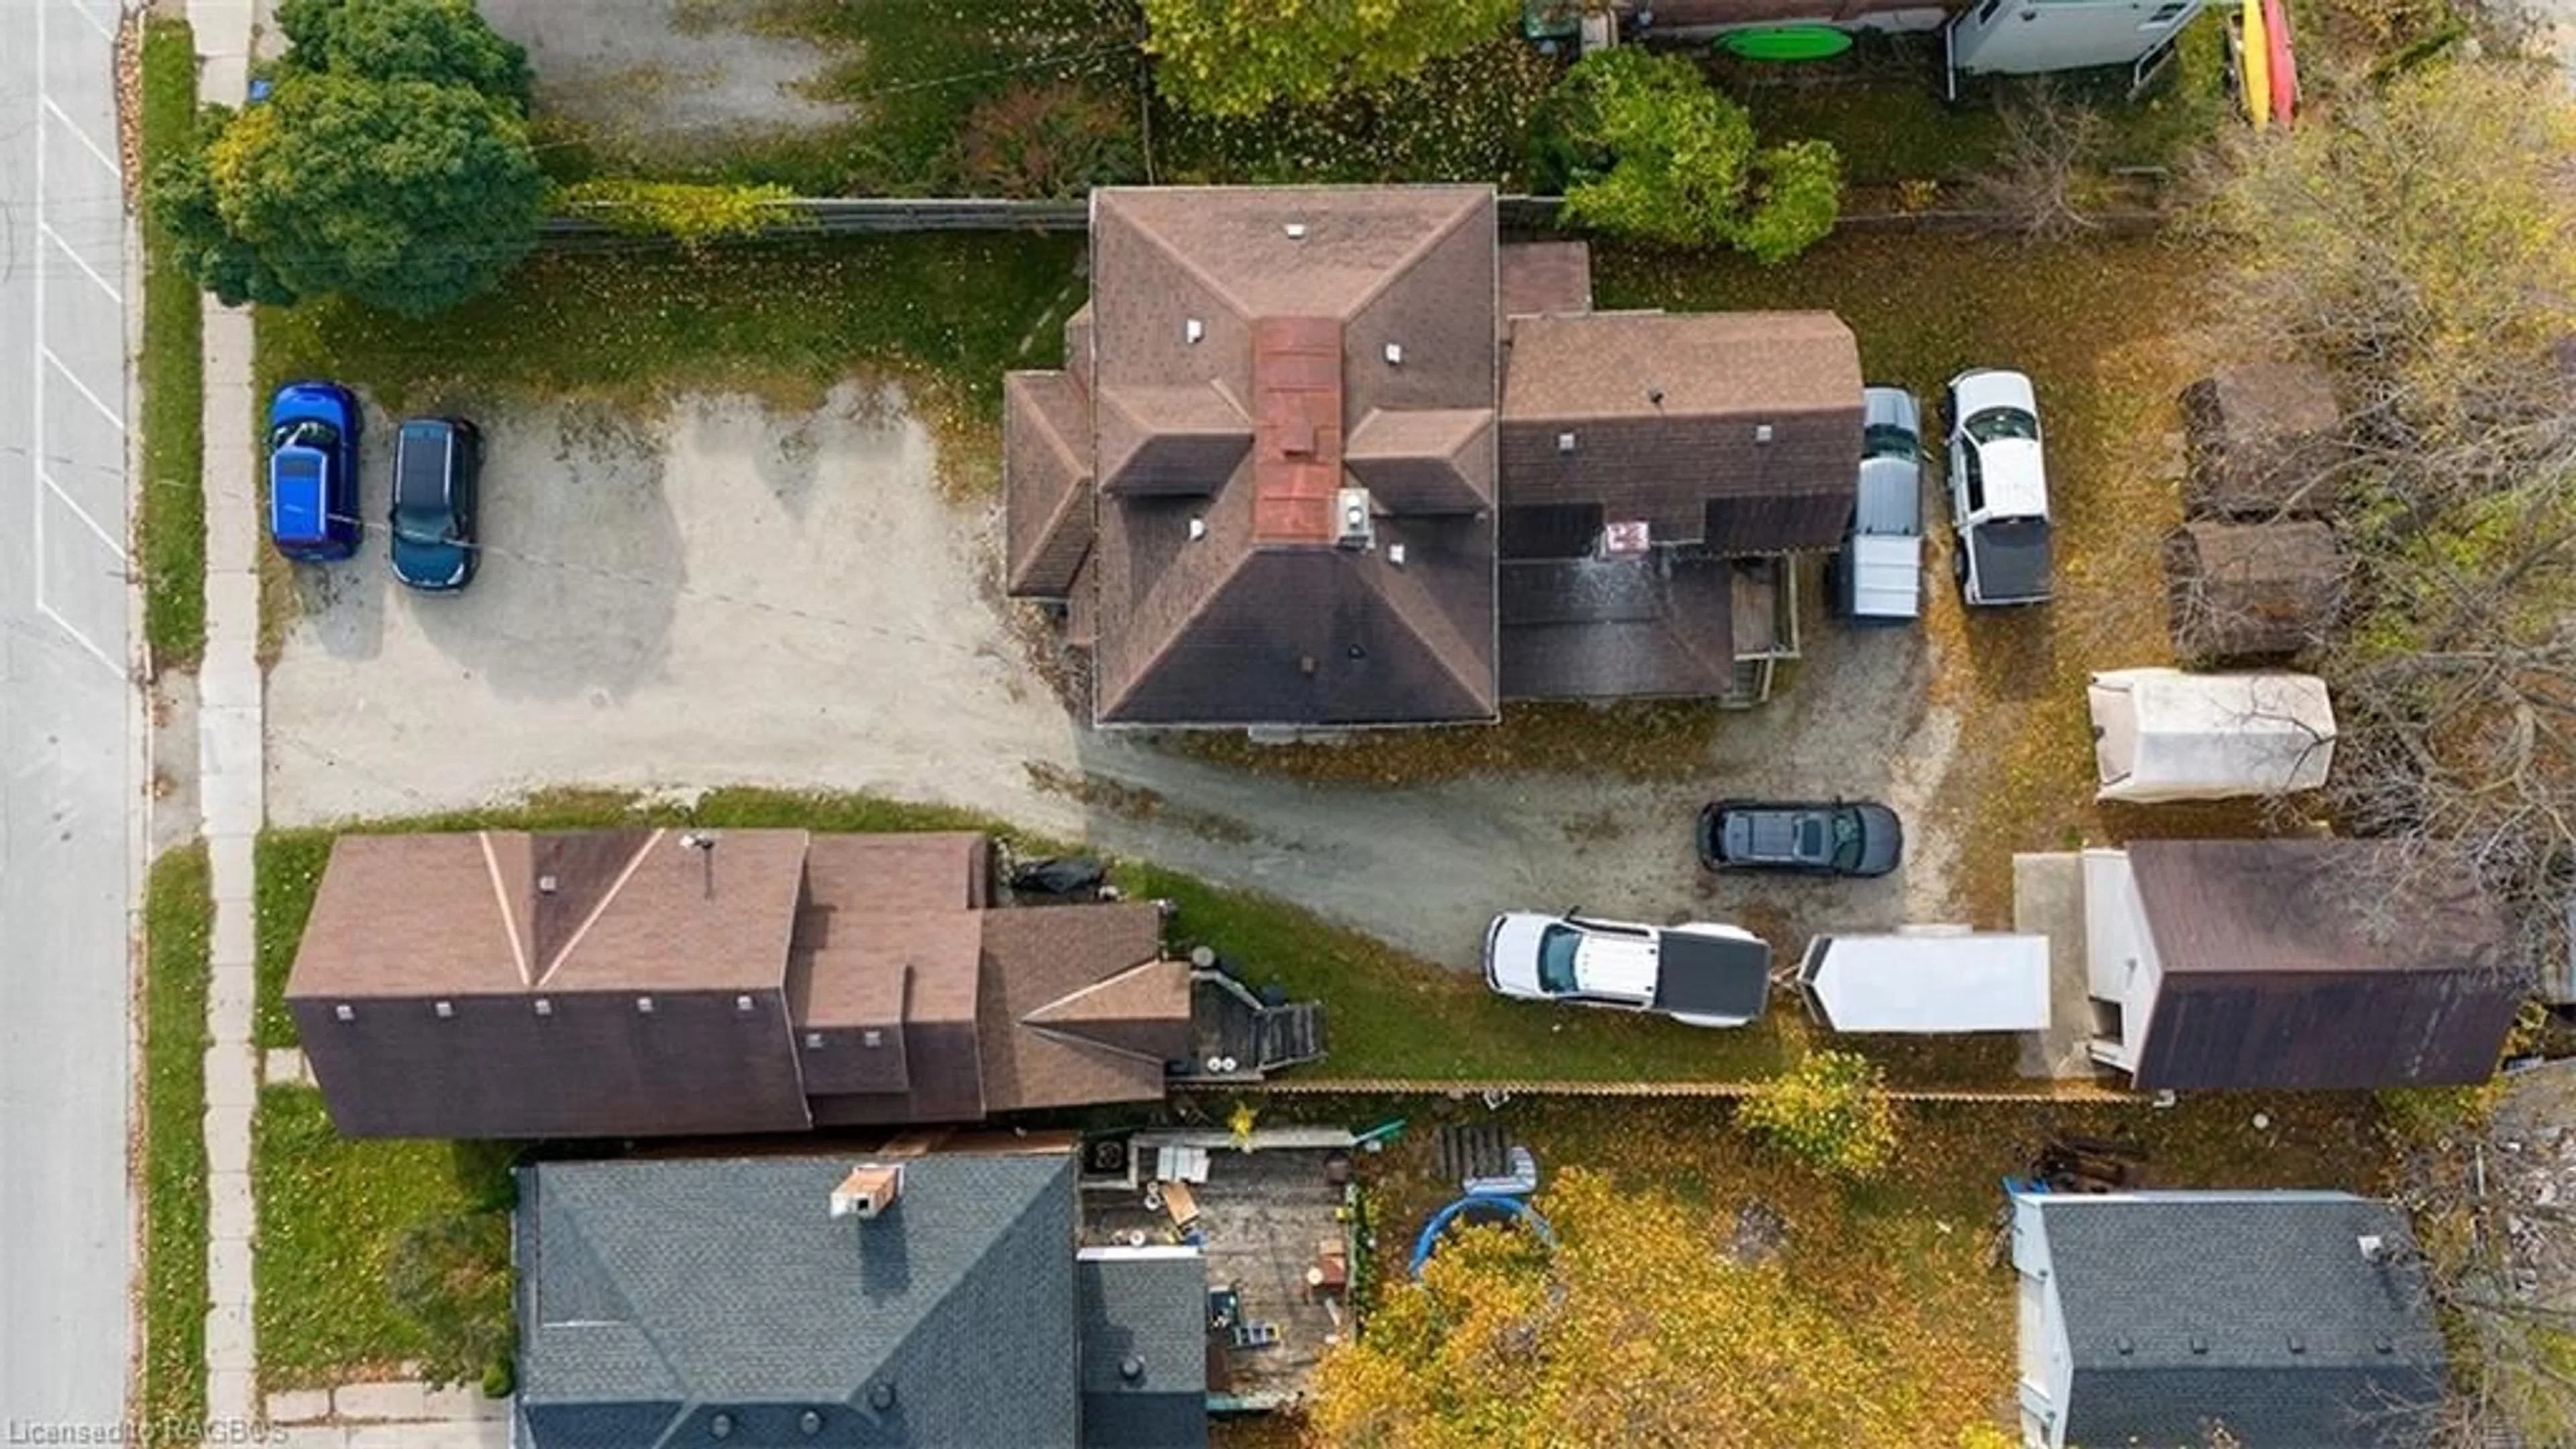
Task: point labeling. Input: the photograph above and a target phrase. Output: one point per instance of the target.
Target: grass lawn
(170, 525)
(2102, 328)
(331, 1212)
(634, 322)
(1881, 105)
(178, 923)
(1908, 1260)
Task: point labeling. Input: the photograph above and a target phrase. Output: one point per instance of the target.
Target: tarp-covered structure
(1927, 979)
(2162, 734)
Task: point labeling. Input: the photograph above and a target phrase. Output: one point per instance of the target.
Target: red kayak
(2284, 65)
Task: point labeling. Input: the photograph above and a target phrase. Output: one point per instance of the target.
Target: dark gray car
(1843, 837)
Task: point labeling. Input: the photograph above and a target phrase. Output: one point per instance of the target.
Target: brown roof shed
(2263, 442)
(2318, 965)
(1736, 430)
(2237, 591)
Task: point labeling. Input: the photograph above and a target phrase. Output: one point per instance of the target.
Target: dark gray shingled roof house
(2292, 1320)
(1334, 456)
(782, 1301)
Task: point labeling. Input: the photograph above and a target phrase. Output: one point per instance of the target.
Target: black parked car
(1842, 838)
(437, 463)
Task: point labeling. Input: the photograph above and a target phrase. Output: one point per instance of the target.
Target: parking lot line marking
(46, 230)
(79, 638)
(104, 30)
(82, 388)
(80, 513)
(82, 136)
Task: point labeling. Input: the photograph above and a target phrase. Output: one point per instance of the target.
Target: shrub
(1830, 1111)
(1042, 141)
(1643, 148)
(1240, 57)
(690, 214)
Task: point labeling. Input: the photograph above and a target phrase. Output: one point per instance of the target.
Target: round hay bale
(2238, 591)
(2262, 441)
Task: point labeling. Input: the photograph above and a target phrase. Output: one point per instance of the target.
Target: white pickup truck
(1998, 488)
(1699, 974)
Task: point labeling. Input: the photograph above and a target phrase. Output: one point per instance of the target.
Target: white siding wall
(2047, 1362)
(2024, 36)
(2120, 965)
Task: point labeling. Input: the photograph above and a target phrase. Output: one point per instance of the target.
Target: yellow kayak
(2254, 62)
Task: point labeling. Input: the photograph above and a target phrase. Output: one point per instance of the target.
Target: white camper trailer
(2161, 734)
(1927, 979)
(2022, 37)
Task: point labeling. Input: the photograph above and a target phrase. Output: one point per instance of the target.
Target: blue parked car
(437, 464)
(313, 471)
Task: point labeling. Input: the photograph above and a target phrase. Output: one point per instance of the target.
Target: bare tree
(2442, 296)
(2047, 177)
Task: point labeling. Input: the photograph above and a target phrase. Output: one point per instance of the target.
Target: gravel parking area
(669, 79)
(731, 596)
(719, 596)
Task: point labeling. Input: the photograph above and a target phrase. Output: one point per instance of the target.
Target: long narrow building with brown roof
(630, 983)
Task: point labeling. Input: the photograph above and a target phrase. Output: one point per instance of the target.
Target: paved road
(64, 717)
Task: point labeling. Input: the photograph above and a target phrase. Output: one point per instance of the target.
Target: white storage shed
(1927, 979)
(2162, 734)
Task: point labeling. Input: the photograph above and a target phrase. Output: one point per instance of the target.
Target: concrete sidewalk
(230, 770)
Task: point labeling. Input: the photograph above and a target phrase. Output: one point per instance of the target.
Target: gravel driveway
(726, 596)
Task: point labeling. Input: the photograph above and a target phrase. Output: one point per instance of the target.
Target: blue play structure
(1488, 1205)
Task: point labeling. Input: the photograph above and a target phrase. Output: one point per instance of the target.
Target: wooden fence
(854, 215)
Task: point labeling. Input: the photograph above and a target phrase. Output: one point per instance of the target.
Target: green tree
(401, 194)
(1830, 1111)
(444, 42)
(1635, 1330)
(452, 1276)
(1240, 57)
(1643, 148)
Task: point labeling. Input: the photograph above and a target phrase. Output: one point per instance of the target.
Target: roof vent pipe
(1131, 1368)
(870, 1189)
(1198, 528)
(545, 885)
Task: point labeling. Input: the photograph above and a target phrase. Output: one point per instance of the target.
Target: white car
(1998, 487)
(1699, 974)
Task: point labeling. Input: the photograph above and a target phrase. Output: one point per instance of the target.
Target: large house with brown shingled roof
(629, 983)
(1333, 456)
